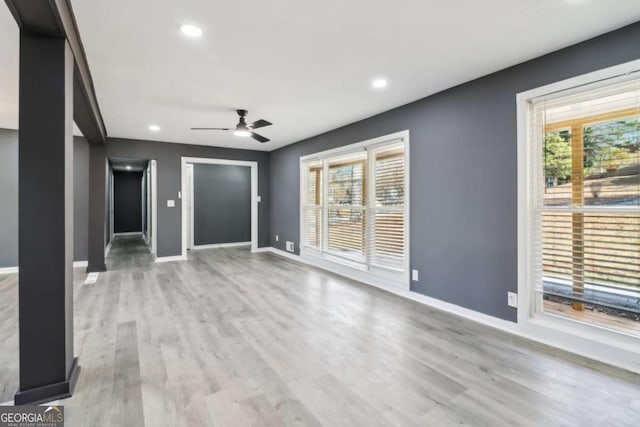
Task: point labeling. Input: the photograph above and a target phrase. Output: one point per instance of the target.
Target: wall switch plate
(512, 299)
(171, 203)
(179, 194)
(259, 199)
(414, 275)
(277, 237)
(290, 246)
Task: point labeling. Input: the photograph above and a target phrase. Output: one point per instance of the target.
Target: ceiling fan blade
(210, 128)
(259, 124)
(259, 138)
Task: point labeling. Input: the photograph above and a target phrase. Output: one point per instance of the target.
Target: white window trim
(327, 262)
(593, 341)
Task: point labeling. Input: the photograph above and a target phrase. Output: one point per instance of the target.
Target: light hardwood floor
(231, 338)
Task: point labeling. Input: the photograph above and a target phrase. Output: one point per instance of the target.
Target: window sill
(356, 271)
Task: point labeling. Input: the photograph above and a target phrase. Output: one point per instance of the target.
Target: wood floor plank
(230, 338)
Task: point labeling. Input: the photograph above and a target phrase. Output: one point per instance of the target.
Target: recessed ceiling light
(128, 168)
(379, 83)
(154, 128)
(191, 31)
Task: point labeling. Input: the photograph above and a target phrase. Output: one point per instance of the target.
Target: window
(586, 204)
(354, 206)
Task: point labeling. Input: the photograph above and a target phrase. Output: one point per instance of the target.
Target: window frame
(530, 316)
(381, 274)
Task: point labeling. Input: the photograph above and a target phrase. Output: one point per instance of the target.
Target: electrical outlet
(277, 237)
(414, 275)
(290, 246)
(512, 299)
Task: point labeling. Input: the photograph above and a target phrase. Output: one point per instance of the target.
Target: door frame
(255, 198)
(188, 197)
(153, 199)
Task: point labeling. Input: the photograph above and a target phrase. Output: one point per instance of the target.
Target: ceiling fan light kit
(243, 129)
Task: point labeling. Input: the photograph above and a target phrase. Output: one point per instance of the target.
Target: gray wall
(9, 198)
(463, 173)
(222, 204)
(80, 199)
(168, 157)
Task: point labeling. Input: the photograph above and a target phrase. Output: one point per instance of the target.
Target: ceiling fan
(243, 129)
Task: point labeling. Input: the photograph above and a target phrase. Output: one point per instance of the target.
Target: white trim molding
(107, 249)
(223, 245)
(8, 270)
(624, 358)
(16, 269)
(591, 341)
(170, 258)
(254, 194)
(132, 233)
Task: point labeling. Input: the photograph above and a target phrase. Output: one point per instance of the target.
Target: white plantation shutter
(387, 207)
(312, 204)
(346, 221)
(587, 206)
(354, 206)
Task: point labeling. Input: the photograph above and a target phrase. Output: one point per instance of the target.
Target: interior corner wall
(463, 173)
(9, 198)
(169, 163)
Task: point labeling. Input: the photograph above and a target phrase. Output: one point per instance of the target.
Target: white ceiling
(305, 66)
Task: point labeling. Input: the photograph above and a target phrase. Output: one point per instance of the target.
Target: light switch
(259, 198)
(171, 203)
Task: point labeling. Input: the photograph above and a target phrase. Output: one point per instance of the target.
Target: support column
(97, 207)
(48, 370)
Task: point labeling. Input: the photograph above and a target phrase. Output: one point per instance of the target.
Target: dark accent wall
(127, 202)
(9, 198)
(168, 157)
(463, 173)
(221, 204)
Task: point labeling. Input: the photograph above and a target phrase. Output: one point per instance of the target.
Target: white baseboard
(263, 249)
(14, 270)
(624, 358)
(107, 249)
(8, 270)
(170, 258)
(222, 245)
(133, 233)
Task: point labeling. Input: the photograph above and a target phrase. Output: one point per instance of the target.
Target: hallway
(128, 252)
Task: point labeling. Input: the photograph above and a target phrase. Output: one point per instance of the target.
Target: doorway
(132, 200)
(220, 203)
